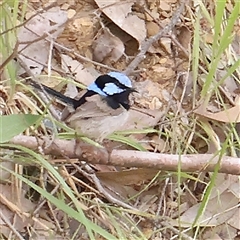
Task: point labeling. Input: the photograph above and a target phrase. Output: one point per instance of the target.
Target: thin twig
(171, 35)
(8, 223)
(179, 234)
(54, 4)
(163, 195)
(101, 189)
(85, 59)
(9, 58)
(42, 94)
(148, 43)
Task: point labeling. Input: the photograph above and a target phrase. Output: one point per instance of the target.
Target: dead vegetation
(174, 175)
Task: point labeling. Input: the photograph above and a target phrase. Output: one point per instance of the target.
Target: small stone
(71, 13)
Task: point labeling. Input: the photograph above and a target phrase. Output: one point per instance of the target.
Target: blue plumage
(122, 78)
(94, 87)
(110, 84)
(101, 109)
(114, 87)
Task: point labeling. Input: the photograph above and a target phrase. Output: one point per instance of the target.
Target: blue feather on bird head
(115, 87)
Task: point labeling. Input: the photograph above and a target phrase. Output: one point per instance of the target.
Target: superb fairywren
(102, 108)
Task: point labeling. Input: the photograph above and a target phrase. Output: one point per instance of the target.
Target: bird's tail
(70, 101)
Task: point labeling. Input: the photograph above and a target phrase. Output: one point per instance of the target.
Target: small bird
(101, 110)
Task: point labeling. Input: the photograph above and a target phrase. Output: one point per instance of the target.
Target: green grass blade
(12, 125)
(126, 140)
(79, 215)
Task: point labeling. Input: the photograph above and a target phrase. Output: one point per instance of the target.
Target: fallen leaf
(184, 37)
(83, 75)
(35, 52)
(231, 115)
(234, 220)
(107, 46)
(152, 28)
(222, 183)
(138, 119)
(218, 211)
(234, 188)
(129, 177)
(121, 184)
(230, 84)
(5, 175)
(121, 14)
(15, 200)
(221, 232)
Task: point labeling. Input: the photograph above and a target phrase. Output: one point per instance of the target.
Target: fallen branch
(129, 158)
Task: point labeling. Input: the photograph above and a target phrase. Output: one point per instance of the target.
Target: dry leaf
(50, 22)
(152, 28)
(129, 177)
(221, 232)
(120, 13)
(140, 120)
(223, 183)
(12, 204)
(56, 16)
(107, 46)
(117, 190)
(14, 200)
(83, 75)
(230, 84)
(234, 220)
(5, 175)
(218, 210)
(121, 184)
(184, 37)
(234, 188)
(231, 115)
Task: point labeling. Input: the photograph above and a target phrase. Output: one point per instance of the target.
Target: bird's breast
(99, 127)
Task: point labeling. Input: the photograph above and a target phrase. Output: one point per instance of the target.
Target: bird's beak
(134, 90)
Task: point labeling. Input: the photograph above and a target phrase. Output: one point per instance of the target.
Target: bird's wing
(94, 107)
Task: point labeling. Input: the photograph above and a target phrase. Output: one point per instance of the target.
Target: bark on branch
(129, 158)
